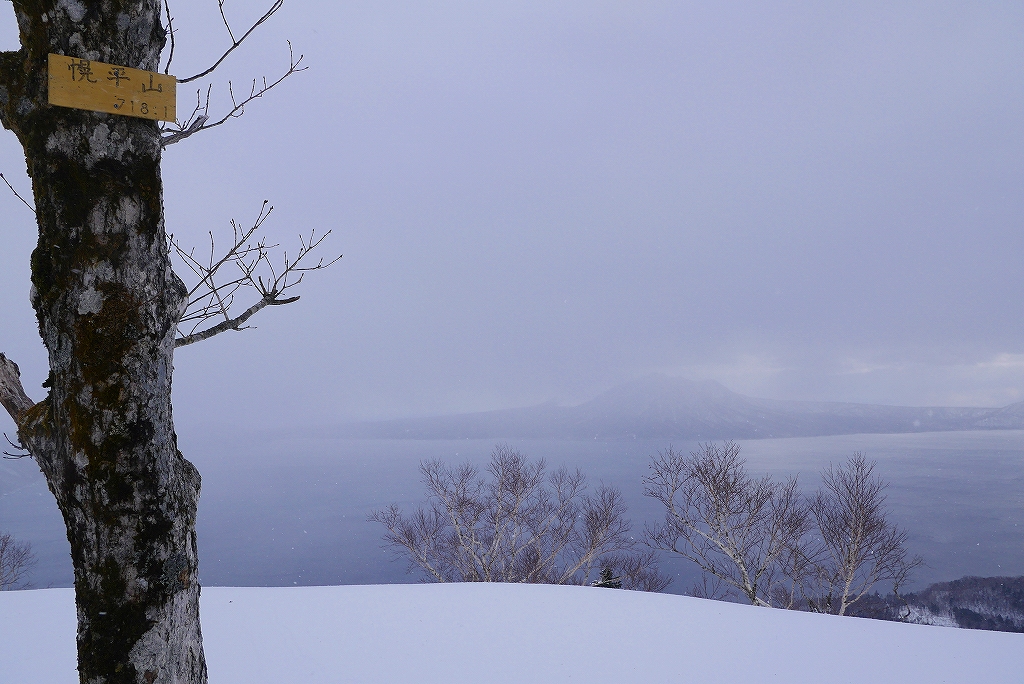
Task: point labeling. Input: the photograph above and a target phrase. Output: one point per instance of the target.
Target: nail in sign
(99, 87)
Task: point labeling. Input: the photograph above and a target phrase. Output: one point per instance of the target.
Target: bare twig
(170, 33)
(234, 43)
(709, 587)
(30, 207)
(220, 6)
(199, 119)
(14, 457)
(212, 298)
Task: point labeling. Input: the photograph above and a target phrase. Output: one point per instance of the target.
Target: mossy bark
(108, 304)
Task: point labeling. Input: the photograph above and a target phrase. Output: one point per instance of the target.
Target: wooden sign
(99, 87)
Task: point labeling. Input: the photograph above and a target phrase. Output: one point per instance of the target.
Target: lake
(279, 510)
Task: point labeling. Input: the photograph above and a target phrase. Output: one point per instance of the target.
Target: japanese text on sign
(99, 87)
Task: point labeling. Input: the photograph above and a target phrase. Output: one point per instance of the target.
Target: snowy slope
(513, 633)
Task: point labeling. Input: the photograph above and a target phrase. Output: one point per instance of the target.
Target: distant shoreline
(659, 407)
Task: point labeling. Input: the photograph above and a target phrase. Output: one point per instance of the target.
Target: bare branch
(236, 323)
(30, 207)
(211, 297)
(709, 587)
(12, 394)
(199, 119)
(220, 6)
(34, 421)
(234, 43)
(15, 457)
(170, 34)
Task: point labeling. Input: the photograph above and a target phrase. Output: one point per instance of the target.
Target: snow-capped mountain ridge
(663, 407)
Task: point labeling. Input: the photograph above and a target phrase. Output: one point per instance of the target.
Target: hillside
(973, 602)
(495, 633)
(659, 407)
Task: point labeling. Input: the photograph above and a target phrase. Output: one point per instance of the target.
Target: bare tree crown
(16, 560)
(762, 539)
(518, 524)
(857, 546)
(735, 528)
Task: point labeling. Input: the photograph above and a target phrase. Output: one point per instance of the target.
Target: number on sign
(99, 87)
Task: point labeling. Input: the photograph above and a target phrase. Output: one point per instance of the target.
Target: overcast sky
(538, 200)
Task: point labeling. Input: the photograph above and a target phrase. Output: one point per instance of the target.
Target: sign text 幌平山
(99, 87)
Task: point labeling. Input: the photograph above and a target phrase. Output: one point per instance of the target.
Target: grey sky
(538, 200)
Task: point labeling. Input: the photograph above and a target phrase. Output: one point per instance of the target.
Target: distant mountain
(660, 407)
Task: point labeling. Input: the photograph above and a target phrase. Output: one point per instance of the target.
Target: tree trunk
(108, 305)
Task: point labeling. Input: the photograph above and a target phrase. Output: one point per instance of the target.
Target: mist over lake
(290, 509)
(540, 201)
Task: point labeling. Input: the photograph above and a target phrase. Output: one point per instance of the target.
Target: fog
(537, 201)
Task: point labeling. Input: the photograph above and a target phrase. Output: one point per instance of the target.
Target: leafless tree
(761, 538)
(709, 587)
(517, 525)
(738, 530)
(16, 560)
(857, 546)
(108, 307)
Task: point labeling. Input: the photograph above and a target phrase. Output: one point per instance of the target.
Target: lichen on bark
(107, 304)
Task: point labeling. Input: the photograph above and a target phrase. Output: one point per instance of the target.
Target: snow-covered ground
(513, 633)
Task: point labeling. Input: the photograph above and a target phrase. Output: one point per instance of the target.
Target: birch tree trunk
(107, 304)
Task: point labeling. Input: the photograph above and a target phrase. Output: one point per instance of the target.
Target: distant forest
(993, 603)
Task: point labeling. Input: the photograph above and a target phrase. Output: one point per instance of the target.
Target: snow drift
(455, 633)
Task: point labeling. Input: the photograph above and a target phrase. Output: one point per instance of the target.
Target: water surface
(291, 510)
